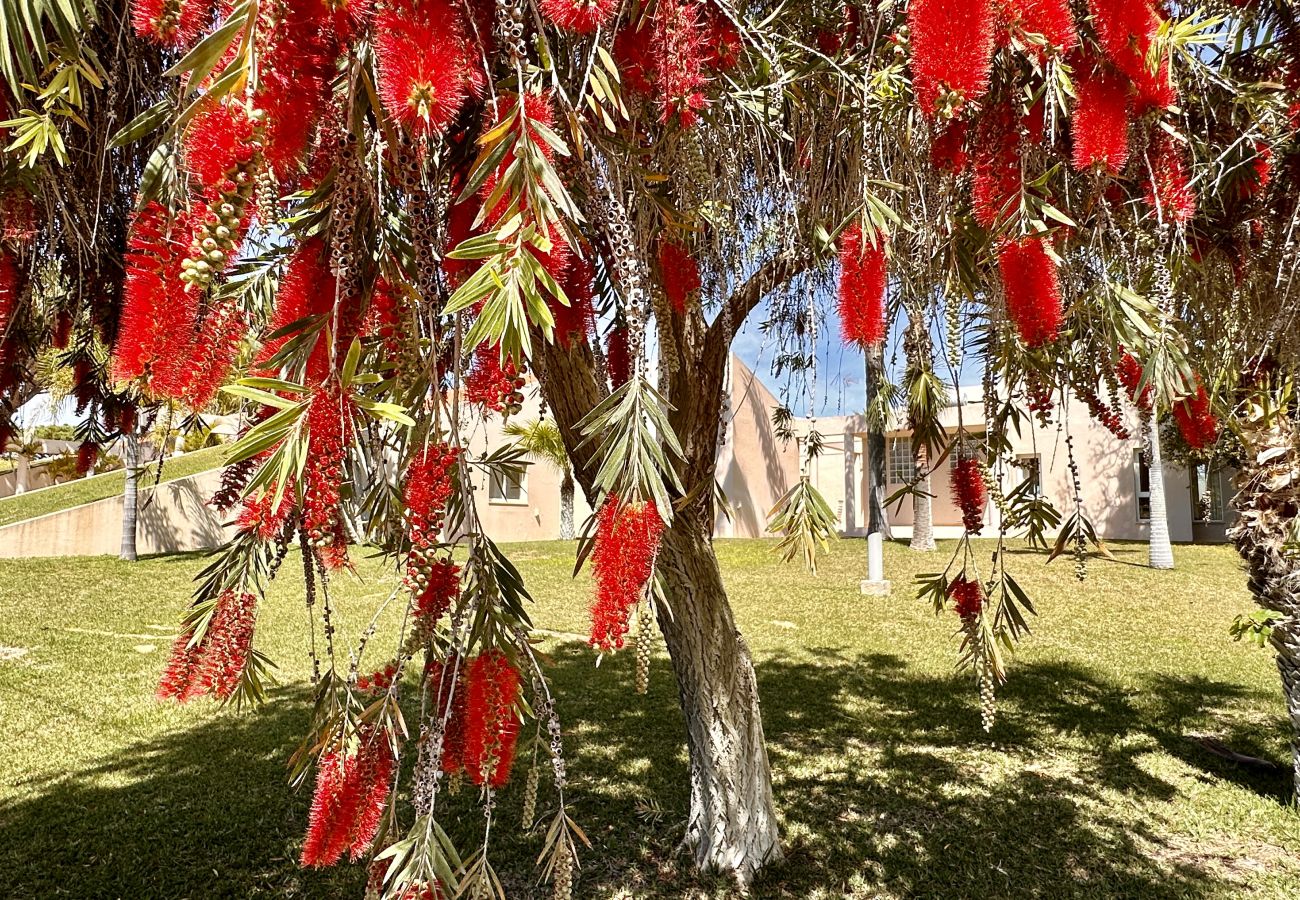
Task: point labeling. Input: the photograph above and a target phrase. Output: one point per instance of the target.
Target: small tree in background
(541, 439)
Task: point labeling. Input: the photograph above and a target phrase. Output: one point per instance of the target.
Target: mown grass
(100, 487)
(1089, 786)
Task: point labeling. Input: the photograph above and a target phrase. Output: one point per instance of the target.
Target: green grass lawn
(1089, 785)
(88, 490)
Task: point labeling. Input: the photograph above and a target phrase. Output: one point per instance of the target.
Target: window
(1142, 480)
(902, 467)
(508, 486)
(1209, 494)
(1030, 468)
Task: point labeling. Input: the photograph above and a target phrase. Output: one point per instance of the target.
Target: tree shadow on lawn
(881, 777)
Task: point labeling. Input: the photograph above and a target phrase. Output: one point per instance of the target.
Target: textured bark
(1267, 504)
(131, 496)
(877, 521)
(1159, 548)
(566, 506)
(922, 504)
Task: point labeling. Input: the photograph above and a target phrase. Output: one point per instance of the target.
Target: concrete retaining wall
(173, 516)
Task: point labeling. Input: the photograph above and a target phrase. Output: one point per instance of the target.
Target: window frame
(891, 443)
(1037, 459)
(497, 479)
(1138, 493)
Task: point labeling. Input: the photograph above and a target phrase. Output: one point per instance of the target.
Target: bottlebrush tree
(418, 203)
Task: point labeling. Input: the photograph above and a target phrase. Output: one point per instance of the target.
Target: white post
(875, 585)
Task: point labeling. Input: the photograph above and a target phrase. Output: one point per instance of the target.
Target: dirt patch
(11, 654)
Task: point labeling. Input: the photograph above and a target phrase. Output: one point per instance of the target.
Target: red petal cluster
(329, 431)
(576, 323)
(1125, 29)
(170, 23)
(260, 517)
(445, 683)
(1129, 372)
(581, 16)
(622, 561)
(967, 596)
(969, 491)
(428, 488)
(87, 456)
(491, 723)
(157, 313)
(679, 53)
(8, 292)
(219, 140)
(1032, 291)
(1259, 174)
(213, 665)
(439, 593)
(618, 357)
(351, 791)
(428, 63)
(997, 180)
(215, 348)
(295, 81)
(1050, 18)
(948, 149)
(862, 287)
(489, 384)
(379, 680)
(1169, 190)
(1100, 123)
(952, 51)
(1196, 419)
(306, 291)
(635, 60)
(680, 273)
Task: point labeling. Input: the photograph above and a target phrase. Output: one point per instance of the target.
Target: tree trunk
(131, 495)
(22, 470)
(732, 823)
(1268, 503)
(877, 521)
(922, 505)
(566, 505)
(1161, 551)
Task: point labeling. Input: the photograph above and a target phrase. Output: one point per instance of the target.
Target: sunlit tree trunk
(22, 470)
(922, 505)
(566, 506)
(1160, 549)
(1267, 503)
(131, 495)
(877, 521)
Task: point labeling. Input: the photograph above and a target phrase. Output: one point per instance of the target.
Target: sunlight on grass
(1089, 785)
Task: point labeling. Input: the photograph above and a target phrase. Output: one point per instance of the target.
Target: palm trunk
(922, 507)
(131, 496)
(877, 521)
(1160, 550)
(22, 468)
(1267, 503)
(566, 505)
(732, 823)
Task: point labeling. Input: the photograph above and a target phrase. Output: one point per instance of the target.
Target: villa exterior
(755, 467)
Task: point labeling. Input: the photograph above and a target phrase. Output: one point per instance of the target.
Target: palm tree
(1159, 548)
(541, 439)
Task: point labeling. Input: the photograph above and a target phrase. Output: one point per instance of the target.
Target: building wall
(755, 467)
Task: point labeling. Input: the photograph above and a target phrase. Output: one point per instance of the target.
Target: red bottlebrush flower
(1196, 419)
(214, 664)
(635, 60)
(678, 50)
(1129, 372)
(491, 385)
(460, 228)
(862, 287)
(259, 516)
(1125, 29)
(948, 149)
(997, 179)
(440, 591)
(722, 41)
(87, 456)
(294, 87)
(491, 723)
(348, 805)
(1259, 173)
(1108, 416)
(8, 292)
(218, 141)
(170, 23)
(580, 16)
(1100, 123)
(329, 430)
(618, 357)
(1032, 291)
(576, 323)
(952, 52)
(622, 561)
(969, 491)
(680, 273)
(427, 63)
(428, 488)
(154, 308)
(216, 346)
(967, 596)
(20, 221)
(307, 290)
(1169, 189)
(1050, 18)
(61, 335)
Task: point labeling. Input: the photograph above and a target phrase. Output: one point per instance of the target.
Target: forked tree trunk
(566, 505)
(732, 823)
(922, 505)
(1159, 548)
(1268, 503)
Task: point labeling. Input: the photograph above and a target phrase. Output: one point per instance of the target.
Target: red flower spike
(445, 683)
(295, 80)
(329, 431)
(1100, 124)
(215, 664)
(952, 52)
(156, 312)
(307, 289)
(618, 357)
(428, 488)
(722, 40)
(1129, 372)
(948, 149)
(87, 456)
(489, 384)
(635, 62)
(862, 287)
(579, 16)
(967, 596)
(622, 561)
(348, 804)
(1125, 29)
(428, 65)
(258, 517)
(1032, 291)
(1196, 419)
(1050, 18)
(576, 323)
(170, 23)
(678, 52)
(997, 179)
(969, 491)
(680, 273)
(8, 292)
(440, 592)
(218, 140)
(491, 723)
(216, 346)
(1169, 190)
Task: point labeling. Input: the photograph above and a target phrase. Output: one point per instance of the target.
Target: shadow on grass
(883, 781)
